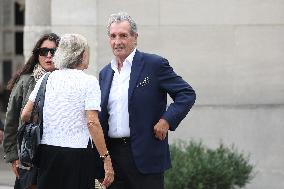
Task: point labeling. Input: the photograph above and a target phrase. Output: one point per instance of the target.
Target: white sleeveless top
(69, 93)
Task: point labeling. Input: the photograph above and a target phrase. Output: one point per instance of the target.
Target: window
(7, 71)
(19, 14)
(19, 43)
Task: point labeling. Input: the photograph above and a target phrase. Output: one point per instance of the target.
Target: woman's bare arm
(97, 135)
(27, 111)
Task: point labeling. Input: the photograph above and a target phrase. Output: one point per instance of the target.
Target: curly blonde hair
(69, 53)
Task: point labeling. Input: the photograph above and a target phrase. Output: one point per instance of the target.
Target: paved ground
(6, 174)
(6, 187)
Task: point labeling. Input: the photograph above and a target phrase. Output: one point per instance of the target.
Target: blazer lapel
(136, 69)
(106, 84)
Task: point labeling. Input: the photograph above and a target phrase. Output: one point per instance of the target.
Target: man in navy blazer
(134, 112)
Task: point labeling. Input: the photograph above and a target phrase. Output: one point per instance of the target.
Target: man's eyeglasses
(44, 51)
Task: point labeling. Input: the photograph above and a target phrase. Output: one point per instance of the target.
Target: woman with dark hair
(21, 85)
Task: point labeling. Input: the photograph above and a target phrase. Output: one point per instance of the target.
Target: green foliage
(197, 167)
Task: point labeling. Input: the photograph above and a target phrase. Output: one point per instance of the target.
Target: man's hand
(161, 129)
(1, 136)
(15, 167)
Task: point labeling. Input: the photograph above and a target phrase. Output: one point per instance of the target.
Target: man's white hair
(120, 17)
(70, 51)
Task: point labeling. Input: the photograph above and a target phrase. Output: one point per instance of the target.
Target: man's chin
(119, 53)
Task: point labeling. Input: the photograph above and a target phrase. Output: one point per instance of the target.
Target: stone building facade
(11, 42)
(230, 51)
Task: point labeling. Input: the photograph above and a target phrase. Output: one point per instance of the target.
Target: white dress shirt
(118, 99)
(69, 93)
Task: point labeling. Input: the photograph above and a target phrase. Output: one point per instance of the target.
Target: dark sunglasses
(44, 51)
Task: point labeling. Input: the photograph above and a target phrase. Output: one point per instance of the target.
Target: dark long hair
(28, 67)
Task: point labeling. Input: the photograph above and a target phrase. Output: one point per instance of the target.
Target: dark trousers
(127, 175)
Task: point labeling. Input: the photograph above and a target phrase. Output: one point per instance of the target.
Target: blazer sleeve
(12, 122)
(179, 90)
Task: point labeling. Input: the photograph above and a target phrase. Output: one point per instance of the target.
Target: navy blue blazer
(151, 79)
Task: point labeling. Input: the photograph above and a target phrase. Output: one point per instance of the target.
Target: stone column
(77, 17)
(37, 22)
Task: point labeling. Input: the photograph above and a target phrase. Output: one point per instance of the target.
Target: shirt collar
(127, 62)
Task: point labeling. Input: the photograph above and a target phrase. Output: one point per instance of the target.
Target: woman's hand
(15, 167)
(109, 173)
(1, 136)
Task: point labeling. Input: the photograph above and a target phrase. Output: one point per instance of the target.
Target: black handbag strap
(39, 103)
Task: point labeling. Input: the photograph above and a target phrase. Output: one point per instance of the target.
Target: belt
(123, 140)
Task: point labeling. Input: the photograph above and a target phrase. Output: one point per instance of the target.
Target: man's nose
(117, 40)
